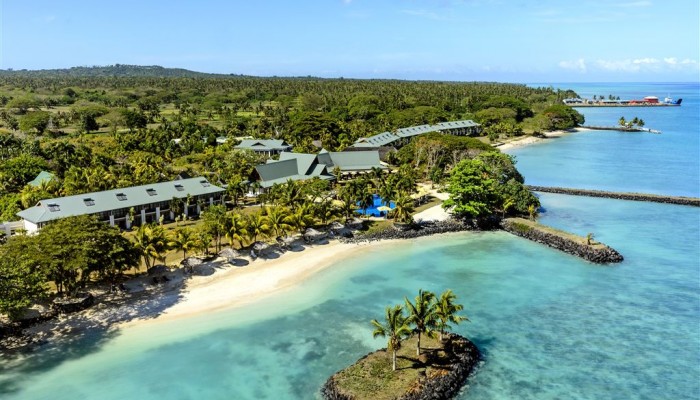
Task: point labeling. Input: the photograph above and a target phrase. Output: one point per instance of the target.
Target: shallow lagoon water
(550, 325)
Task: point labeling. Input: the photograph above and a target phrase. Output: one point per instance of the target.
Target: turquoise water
(550, 325)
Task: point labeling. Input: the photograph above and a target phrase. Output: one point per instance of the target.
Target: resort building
(303, 166)
(268, 147)
(402, 136)
(148, 202)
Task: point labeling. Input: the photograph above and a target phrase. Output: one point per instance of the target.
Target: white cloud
(642, 3)
(632, 65)
(577, 65)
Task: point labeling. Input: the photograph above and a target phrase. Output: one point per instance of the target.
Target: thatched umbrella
(190, 263)
(158, 270)
(336, 226)
(312, 234)
(228, 253)
(260, 246)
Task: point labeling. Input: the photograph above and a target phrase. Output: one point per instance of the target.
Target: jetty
(656, 198)
(583, 247)
(619, 128)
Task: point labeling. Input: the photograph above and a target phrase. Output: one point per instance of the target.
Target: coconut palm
(347, 208)
(403, 209)
(151, 242)
(446, 311)
(395, 328)
(622, 121)
(236, 228)
(256, 226)
(183, 240)
(276, 220)
(301, 219)
(422, 314)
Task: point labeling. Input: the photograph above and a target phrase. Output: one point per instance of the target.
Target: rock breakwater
(685, 201)
(595, 252)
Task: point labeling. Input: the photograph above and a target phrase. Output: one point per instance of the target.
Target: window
(151, 192)
(53, 207)
(179, 188)
(89, 202)
(121, 196)
(205, 183)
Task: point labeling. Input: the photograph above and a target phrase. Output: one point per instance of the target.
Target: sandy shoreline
(529, 140)
(218, 285)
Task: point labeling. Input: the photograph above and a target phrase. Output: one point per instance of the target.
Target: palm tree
(446, 311)
(622, 121)
(366, 199)
(347, 208)
(184, 240)
(532, 210)
(422, 314)
(301, 219)
(236, 229)
(256, 225)
(151, 243)
(403, 209)
(395, 327)
(276, 220)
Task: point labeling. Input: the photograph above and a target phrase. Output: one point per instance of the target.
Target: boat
(668, 100)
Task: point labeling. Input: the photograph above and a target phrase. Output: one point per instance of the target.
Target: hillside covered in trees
(98, 128)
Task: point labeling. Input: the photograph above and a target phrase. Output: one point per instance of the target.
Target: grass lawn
(373, 378)
(557, 232)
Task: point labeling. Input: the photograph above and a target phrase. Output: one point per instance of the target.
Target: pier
(656, 198)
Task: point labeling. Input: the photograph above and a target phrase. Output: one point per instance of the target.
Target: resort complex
(267, 147)
(126, 206)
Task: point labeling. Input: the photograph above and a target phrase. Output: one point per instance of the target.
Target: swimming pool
(376, 203)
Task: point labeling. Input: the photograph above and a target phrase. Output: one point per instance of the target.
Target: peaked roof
(263, 145)
(42, 177)
(115, 199)
(355, 160)
(294, 166)
(386, 138)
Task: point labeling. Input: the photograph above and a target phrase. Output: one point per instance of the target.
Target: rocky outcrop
(599, 253)
(685, 201)
(466, 357)
(425, 229)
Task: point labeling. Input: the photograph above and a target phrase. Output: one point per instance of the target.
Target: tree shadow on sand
(73, 336)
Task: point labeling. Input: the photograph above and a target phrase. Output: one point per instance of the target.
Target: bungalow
(114, 206)
(268, 147)
(43, 177)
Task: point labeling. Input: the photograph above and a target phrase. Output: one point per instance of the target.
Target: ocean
(549, 325)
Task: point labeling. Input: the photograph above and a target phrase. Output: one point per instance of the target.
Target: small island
(422, 360)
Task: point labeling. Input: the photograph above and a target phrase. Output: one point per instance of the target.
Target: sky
(462, 40)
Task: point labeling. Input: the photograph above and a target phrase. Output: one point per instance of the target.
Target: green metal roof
(386, 138)
(42, 177)
(263, 145)
(109, 200)
(294, 166)
(355, 160)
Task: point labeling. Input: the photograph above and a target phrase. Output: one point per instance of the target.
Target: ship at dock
(649, 101)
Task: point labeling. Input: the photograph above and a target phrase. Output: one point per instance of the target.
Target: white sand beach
(529, 140)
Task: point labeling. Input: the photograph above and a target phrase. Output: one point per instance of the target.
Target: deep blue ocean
(550, 325)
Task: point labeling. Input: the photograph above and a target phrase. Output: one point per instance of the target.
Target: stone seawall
(424, 229)
(597, 253)
(685, 201)
(443, 387)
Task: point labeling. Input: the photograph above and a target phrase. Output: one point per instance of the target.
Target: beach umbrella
(158, 270)
(260, 246)
(313, 234)
(228, 253)
(191, 262)
(336, 226)
(383, 208)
